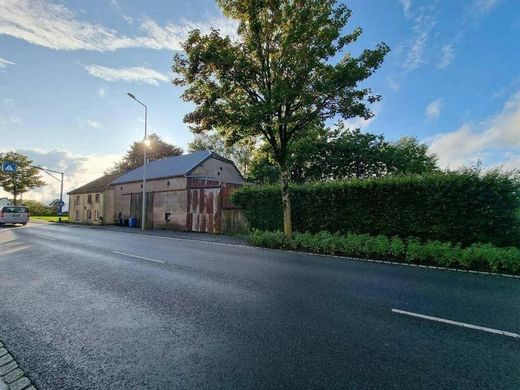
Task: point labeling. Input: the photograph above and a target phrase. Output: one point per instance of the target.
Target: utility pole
(48, 172)
(145, 144)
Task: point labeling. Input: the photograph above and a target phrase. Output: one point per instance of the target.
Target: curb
(393, 263)
(11, 376)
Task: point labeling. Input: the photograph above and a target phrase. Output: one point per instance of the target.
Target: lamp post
(143, 214)
(48, 172)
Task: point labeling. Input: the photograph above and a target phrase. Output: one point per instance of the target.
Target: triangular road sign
(9, 167)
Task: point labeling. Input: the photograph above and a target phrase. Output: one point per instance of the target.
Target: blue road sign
(61, 204)
(9, 167)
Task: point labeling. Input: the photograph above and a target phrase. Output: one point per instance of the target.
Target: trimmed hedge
(454, 207)
(484, 257)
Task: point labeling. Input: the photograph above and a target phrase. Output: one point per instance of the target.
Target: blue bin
(132, 222)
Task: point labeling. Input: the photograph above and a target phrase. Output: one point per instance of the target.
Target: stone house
(93, 203)
(189, 193)
(5, 202)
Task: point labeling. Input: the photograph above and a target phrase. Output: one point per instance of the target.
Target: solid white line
(139, 257)
(463, 324)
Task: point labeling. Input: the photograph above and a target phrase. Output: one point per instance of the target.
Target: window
(96, 215)
(16, 210)
(97, 198)
(77, 215)
(89, 198)
(89, 214)
(76, 202)
(168, 217)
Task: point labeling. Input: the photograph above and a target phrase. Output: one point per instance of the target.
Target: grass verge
(478, 257)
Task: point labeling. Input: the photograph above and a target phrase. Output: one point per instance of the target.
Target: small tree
(287, 71)
(24, 179)
(157, 149)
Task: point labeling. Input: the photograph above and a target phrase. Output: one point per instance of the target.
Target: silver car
(14, 214)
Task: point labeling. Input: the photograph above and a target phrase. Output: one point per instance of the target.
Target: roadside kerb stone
(11, 376)
(5, 359)
(20, 384)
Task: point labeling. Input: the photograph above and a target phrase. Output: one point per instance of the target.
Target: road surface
(84, 308)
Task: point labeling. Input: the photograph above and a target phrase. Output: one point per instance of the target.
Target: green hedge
(454, 207)
(484, 257)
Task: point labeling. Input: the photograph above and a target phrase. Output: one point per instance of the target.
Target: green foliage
(326, 154)
(38, 208)
(484, 257)
(240, 153)
(24, 179)
(156, 150)
(465, 207)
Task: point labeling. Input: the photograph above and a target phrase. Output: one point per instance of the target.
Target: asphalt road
(167, 313)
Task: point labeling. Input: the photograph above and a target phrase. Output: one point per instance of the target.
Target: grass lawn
(51, 218)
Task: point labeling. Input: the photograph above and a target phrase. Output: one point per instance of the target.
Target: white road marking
(463, 324)
(46, 237)
(138, 257)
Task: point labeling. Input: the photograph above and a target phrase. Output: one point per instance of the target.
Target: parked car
(14, 215)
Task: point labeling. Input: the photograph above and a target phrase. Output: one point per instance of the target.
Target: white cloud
(172, 35)
(393, 83)
(362, 123)
(115, 5)
(448, 55)
(433, 109)
(421, 29)
(138, 74)
(94, 124)
(406, 4)
(11, 120)
(472, 142)
(485, 6)
(52, 25)
(102, 92)
(78, 169)
(5, 63)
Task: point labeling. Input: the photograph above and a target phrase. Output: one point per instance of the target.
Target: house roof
(98, 185)
(169, 167)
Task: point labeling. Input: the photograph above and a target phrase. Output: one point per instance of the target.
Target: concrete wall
(79, 208)
(108, 206)
(168, 196)
(220, 170)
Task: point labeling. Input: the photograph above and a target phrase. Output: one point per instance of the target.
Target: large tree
(156, 150)
(240, 152)
(287, 70)
(24, 179)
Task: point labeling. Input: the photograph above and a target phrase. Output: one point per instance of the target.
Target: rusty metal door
(204, 210)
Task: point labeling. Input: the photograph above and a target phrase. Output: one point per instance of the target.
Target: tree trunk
(286, 203)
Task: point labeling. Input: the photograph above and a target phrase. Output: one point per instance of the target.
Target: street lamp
(145, 144)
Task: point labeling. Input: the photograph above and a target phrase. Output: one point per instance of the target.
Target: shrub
(464, 207)
(477, 256)
(397, 248)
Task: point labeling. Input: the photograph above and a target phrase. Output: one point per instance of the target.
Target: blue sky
(452, 78)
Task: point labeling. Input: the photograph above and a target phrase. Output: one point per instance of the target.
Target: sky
(452, 78)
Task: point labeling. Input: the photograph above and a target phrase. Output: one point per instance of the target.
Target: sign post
(9, 167)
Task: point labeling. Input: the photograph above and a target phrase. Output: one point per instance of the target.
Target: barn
(189, 193)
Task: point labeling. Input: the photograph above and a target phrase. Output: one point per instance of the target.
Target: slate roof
(168, 167)
(98, 185)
